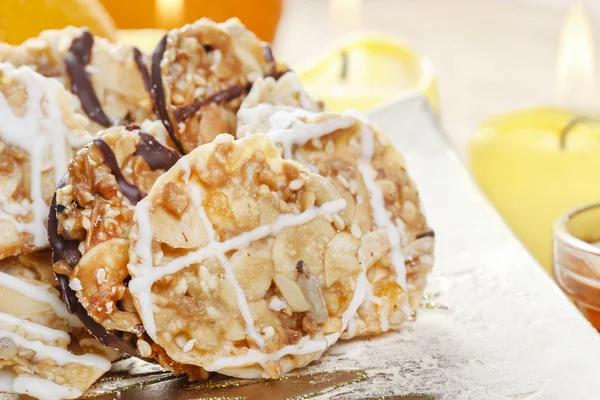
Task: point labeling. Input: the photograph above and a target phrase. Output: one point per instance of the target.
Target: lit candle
(536, 164)
(169, 13)
(364, 70)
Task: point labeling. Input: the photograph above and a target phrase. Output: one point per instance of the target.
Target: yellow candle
(364, 70)
(531, 178)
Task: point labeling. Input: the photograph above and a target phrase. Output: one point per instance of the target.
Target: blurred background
(490, 56)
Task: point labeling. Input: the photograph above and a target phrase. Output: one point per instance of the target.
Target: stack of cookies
(202, 210)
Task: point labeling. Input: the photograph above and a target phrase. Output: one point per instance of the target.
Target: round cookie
(39, 133)
(89, 224)
(201, 73)
(396, 251)
(238, 261)
(110, 80)
(44, 350)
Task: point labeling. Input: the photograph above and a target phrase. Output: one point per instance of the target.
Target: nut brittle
(228, 261)
(39, 133)
(41, 344)
(395, 244)
(110, 80)
(201, 73)
(90, 221)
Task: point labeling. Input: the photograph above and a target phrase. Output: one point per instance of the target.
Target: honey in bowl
(577, 259)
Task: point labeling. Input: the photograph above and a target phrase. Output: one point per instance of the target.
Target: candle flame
(169, 13)
(576, 59)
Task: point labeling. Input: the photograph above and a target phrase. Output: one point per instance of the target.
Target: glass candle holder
(577, 259)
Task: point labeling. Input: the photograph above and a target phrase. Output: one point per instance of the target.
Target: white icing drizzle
(229, 273)
(6, 380)
(287, 129)
(60, 355)
(34, 329)
(381, 216)
(252, 356)
(39, 293)
(40, 128)
(43, 389)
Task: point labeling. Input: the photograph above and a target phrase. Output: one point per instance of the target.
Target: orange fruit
(23, 19)
(259, 16)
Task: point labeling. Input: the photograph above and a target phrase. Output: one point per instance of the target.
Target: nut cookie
(39, 133)
(111, 80)
(201, 73)
(238, 264)
(89, 223)
(383, 212)
(42, 347)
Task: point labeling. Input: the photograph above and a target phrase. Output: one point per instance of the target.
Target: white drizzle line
(34, 329)
(43, 389)
(229, 273)
(41, 127)
(39, 293)
(147, 274)
(287, 129)
(58, 354)
(380, 215)
(6, 380)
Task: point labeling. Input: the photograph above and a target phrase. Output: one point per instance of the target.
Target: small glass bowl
(577, 259)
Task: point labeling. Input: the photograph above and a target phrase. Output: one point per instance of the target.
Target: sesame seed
(296, 184)
(329, 147)
(355, 230)
(353, 188)
(268, 332)
(178, 99)
(144, 348)
(189, 345)
(338, 222)
(343, 181)
(100, 276)
(75, 284)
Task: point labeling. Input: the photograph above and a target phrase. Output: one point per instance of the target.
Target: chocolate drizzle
(183, 113)
(68, 250)
(141, 65)
(77, 58)
(158, 157)
(155, 154)
(425, 234)
(62, 249)
(131, 192)
(158, 91)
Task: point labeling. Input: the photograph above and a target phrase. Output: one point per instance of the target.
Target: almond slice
(312, 291)
(292, 293)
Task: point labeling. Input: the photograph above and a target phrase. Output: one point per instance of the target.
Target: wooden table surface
(491, 56)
